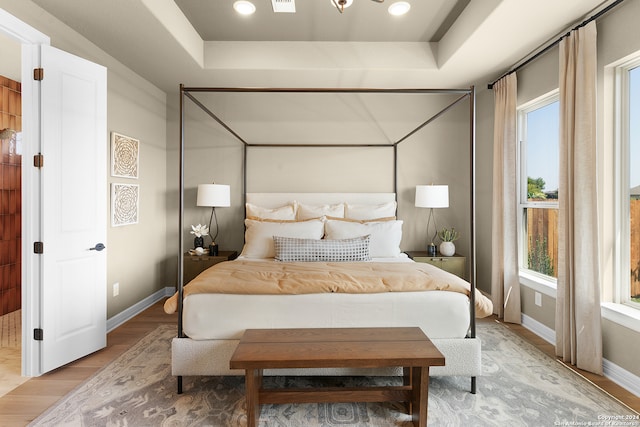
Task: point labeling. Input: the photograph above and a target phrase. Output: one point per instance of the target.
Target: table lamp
(432, 196)
(213, 196)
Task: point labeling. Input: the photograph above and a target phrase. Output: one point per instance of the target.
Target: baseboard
(134, 310)
(543, 331)
(622, 377)
(615, 373)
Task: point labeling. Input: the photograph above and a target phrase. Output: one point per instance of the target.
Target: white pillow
(385, 235)
(292, 249)
(384, 210)
(317, 211)
(287, 212)
(258, 238)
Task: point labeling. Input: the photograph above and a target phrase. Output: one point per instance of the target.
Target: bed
(329, 235)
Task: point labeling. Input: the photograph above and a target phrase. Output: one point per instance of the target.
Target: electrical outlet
(116, 289)
(538, 297)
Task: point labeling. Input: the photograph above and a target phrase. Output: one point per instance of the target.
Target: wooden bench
(408, 348)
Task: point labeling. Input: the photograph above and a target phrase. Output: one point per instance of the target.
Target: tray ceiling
(439, 43)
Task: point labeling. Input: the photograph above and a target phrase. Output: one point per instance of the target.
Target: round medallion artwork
(124, 156)
(125, 204)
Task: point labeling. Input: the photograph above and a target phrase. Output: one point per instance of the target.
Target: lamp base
(431, 250)
(213, 250)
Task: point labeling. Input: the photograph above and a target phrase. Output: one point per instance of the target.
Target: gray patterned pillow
(294, 249)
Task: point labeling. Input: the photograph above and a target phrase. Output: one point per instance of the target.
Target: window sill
(621, 314)
(538, 283)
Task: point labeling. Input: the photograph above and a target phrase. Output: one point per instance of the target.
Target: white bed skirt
(211, 357)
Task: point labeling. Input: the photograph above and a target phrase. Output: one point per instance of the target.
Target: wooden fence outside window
(542, 226)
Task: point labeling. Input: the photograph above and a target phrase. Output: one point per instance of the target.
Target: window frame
(528, 276)
(621, 291)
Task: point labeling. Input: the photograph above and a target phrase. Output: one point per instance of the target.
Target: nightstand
(196, 264)
(455, 264)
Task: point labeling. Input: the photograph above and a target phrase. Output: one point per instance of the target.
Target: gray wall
(137, 255)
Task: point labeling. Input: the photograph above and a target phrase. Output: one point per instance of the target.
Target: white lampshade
(432, 196)
(214, 195)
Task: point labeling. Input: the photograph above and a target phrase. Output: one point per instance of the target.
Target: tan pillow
(362, 221)
(315, 211)
(283, 212)
(384, 210)
(258, 237)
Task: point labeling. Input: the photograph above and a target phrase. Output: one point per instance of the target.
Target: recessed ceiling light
(244, 7)
(399, 8)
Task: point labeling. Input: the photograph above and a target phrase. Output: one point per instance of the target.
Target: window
(629, 262)
(538, 153)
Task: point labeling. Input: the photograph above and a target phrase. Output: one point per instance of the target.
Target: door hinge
(38, 161)
(38, 73)
(38, 334)
(38, 247)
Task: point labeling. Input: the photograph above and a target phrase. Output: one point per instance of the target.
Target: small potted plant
(448, 236)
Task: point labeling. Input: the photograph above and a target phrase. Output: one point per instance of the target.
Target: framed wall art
(125, 156)
(125, 200)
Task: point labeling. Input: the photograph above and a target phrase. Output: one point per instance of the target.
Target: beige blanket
(269, 277)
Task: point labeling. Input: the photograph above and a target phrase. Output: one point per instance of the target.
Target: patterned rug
(520, 386)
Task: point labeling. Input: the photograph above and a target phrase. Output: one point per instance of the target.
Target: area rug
(520, 386)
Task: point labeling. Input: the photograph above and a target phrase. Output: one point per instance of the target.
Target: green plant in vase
(448, 236)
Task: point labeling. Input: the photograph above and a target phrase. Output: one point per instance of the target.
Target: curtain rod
(554, 43)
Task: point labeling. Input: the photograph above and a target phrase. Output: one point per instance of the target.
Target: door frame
(31, 40)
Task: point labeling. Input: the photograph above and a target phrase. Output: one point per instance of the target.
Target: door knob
(98, 247)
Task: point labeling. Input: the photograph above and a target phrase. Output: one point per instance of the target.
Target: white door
(74, 207)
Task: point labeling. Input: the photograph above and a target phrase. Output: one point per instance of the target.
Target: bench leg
(253, 384)
(406, 381)
(420, 395)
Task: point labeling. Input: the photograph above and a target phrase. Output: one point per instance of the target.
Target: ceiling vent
(284, 6)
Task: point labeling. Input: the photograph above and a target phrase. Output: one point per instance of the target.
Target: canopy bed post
(181, 226)
(472, 220)
(244, 175)
(181, 213)
(395, 170)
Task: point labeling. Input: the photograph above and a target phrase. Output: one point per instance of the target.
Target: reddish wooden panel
(4, 201)
(10, 198)
(4, 277)
(5, 99)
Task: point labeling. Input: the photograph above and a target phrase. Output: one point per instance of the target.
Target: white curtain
(578, 323)
(505, 284)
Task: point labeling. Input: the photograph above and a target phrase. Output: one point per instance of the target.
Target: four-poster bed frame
(465, 94)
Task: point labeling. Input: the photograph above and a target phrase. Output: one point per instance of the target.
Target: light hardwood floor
(27, 401)
(21, 405)
(10, 356)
